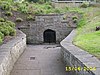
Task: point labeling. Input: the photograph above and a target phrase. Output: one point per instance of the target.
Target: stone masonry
(35, 30)
(73, 56)
(10, 52)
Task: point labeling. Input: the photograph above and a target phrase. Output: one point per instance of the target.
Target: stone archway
(49, 36)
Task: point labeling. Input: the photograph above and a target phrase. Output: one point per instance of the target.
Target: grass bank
(87, 38)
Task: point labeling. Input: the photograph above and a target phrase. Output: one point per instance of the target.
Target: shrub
(48, 3)
(66, 8)
(75, 20)
(1, 40)
(12, 24)
(12, 31)
(23, 8)
(7, 28)
(48, 11)
(14, 8)
(48, 6)
(8, 13)
(30, 17)
(57, 10)
(85, 5)
(19, 19)
(1, 35)
(38, 12)
(5, 31)
(2, 20)
(5, 6)
(27, 3)
(74, 17)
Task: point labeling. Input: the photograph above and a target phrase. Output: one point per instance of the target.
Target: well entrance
(46, 29)
(49, 36)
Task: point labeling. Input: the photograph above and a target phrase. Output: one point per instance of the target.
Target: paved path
(40, 60)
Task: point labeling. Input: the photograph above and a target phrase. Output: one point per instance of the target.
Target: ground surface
(40, 60)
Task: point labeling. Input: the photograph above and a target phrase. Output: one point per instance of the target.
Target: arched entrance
(49, 36)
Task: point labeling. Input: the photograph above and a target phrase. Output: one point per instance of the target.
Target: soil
(7, 39)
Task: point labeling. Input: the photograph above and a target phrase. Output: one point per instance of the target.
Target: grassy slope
(87, 38)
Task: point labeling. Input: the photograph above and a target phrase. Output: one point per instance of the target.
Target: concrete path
(40, 60)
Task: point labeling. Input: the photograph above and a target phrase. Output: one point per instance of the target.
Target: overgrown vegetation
(33, 8)
(30, 17)
(8, 13)
(87, 38)
(5, 5)
(7, 28)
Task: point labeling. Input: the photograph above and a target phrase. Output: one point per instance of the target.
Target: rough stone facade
(35, 29)
(10, 52)
(76, 57)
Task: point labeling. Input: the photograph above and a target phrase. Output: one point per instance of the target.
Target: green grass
(87, 38)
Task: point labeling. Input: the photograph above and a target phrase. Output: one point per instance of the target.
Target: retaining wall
(64, 4)
(10, 52)
(76, 57)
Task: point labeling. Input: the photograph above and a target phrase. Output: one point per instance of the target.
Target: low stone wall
(10, 52)
(76, 57)
(64, 4)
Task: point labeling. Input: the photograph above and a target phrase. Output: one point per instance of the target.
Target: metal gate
(49, 36)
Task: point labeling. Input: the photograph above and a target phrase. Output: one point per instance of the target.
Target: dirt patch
(7, 39)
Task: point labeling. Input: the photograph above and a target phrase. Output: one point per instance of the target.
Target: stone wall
(65, 4)
(10, 52)
(35, 29)
(76, 57)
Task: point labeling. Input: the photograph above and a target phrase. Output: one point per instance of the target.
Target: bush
(30, 17)
(23, 8)
(48, 3)
(27, 3)
(74, 17)
(12, 31)
(1, 40)
(75, 20)
(7, 28)
(2, 20)
(11, 24)
(5, 6)
(57, 10)
(85, 5)
(38, 12)
(8, 13)
(19, 19)
(48, 7)
(1, 35)
(4, 30)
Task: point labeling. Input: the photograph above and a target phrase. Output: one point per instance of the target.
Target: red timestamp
(80, 68)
